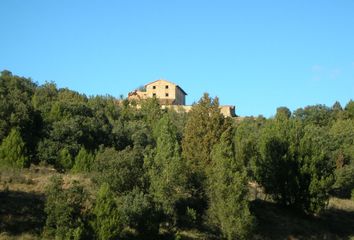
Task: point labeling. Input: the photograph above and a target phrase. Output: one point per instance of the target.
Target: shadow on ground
(275, 222)
(21, 212)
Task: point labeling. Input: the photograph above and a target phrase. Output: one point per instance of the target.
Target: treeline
(155, 171)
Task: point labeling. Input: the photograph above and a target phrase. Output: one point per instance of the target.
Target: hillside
(22, 213)
(78, 167)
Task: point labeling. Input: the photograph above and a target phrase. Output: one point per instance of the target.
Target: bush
(139, 212)
(295, 165)
(65, 209)
(122, 170)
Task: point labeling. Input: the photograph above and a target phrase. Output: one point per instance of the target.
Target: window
(166, 94)
(166, 86)
(153, 87)
(154, 94)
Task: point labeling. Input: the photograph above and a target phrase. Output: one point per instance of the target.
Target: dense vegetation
(156, 171)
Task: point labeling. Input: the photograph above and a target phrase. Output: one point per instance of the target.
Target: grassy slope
(22, 212)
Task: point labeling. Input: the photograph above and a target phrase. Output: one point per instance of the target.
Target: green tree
(349, 108)
(294, 167)
(105, 114)
(166, 170)
(342, 145)
(203, 129)
(107, 223)
(179, 119)
(316, 175)
(13, 151)
(320, 115)
(283, 113)
(151, 111)
(277, 168)
(228, 191)
(122, 170)
(139, 213)
(43, 99)
(83, 161)
(16, 110)
(247, 136)
(65, 159)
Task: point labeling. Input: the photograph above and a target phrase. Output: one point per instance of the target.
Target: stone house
(171, 95)
(166, 92)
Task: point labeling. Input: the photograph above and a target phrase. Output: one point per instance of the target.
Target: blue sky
(257, 55)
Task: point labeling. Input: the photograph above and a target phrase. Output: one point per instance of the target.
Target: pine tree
(12, 151)
(203, 129)
(294, 166)
(83, 161)
(65, 160)
(228, 191)
(167, 170)
(107, 223)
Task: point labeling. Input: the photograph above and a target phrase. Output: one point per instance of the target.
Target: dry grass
(25, 236)
(27, 180)
(341, 204)
(36, 179)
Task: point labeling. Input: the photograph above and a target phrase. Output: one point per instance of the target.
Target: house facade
(166, 92)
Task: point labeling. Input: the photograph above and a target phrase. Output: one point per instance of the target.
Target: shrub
(66, 216)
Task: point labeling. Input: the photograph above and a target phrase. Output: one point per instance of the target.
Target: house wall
(137, 95)
(162, 90)
(227, 111)
(180, 97)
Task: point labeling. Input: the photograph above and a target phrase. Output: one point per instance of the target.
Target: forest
(151, 173)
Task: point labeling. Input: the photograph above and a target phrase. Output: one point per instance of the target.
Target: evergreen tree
(107, 222)
(342, 141)
(228, 191)
(277, 167)
(151, 111)
(12, 151)
(203, 129)
(349, 108)
(294, 166)
(83, 161)
(316, 175)
(65, 159)
(139, 213)
(167, 172)
(246, 143)
(338, 112)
